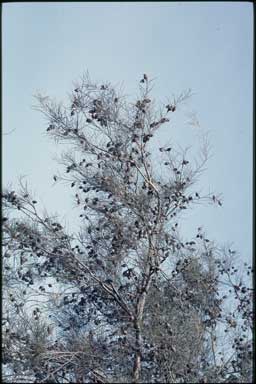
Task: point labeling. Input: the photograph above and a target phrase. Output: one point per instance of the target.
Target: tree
(126, 299)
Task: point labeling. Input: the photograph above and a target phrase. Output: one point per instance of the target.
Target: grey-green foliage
(126, 299)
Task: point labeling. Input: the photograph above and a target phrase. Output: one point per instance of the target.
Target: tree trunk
(138, 326)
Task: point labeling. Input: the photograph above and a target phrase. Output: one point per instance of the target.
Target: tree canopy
(126, 299)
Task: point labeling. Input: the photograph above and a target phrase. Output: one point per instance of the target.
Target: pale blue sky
(203, 46)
